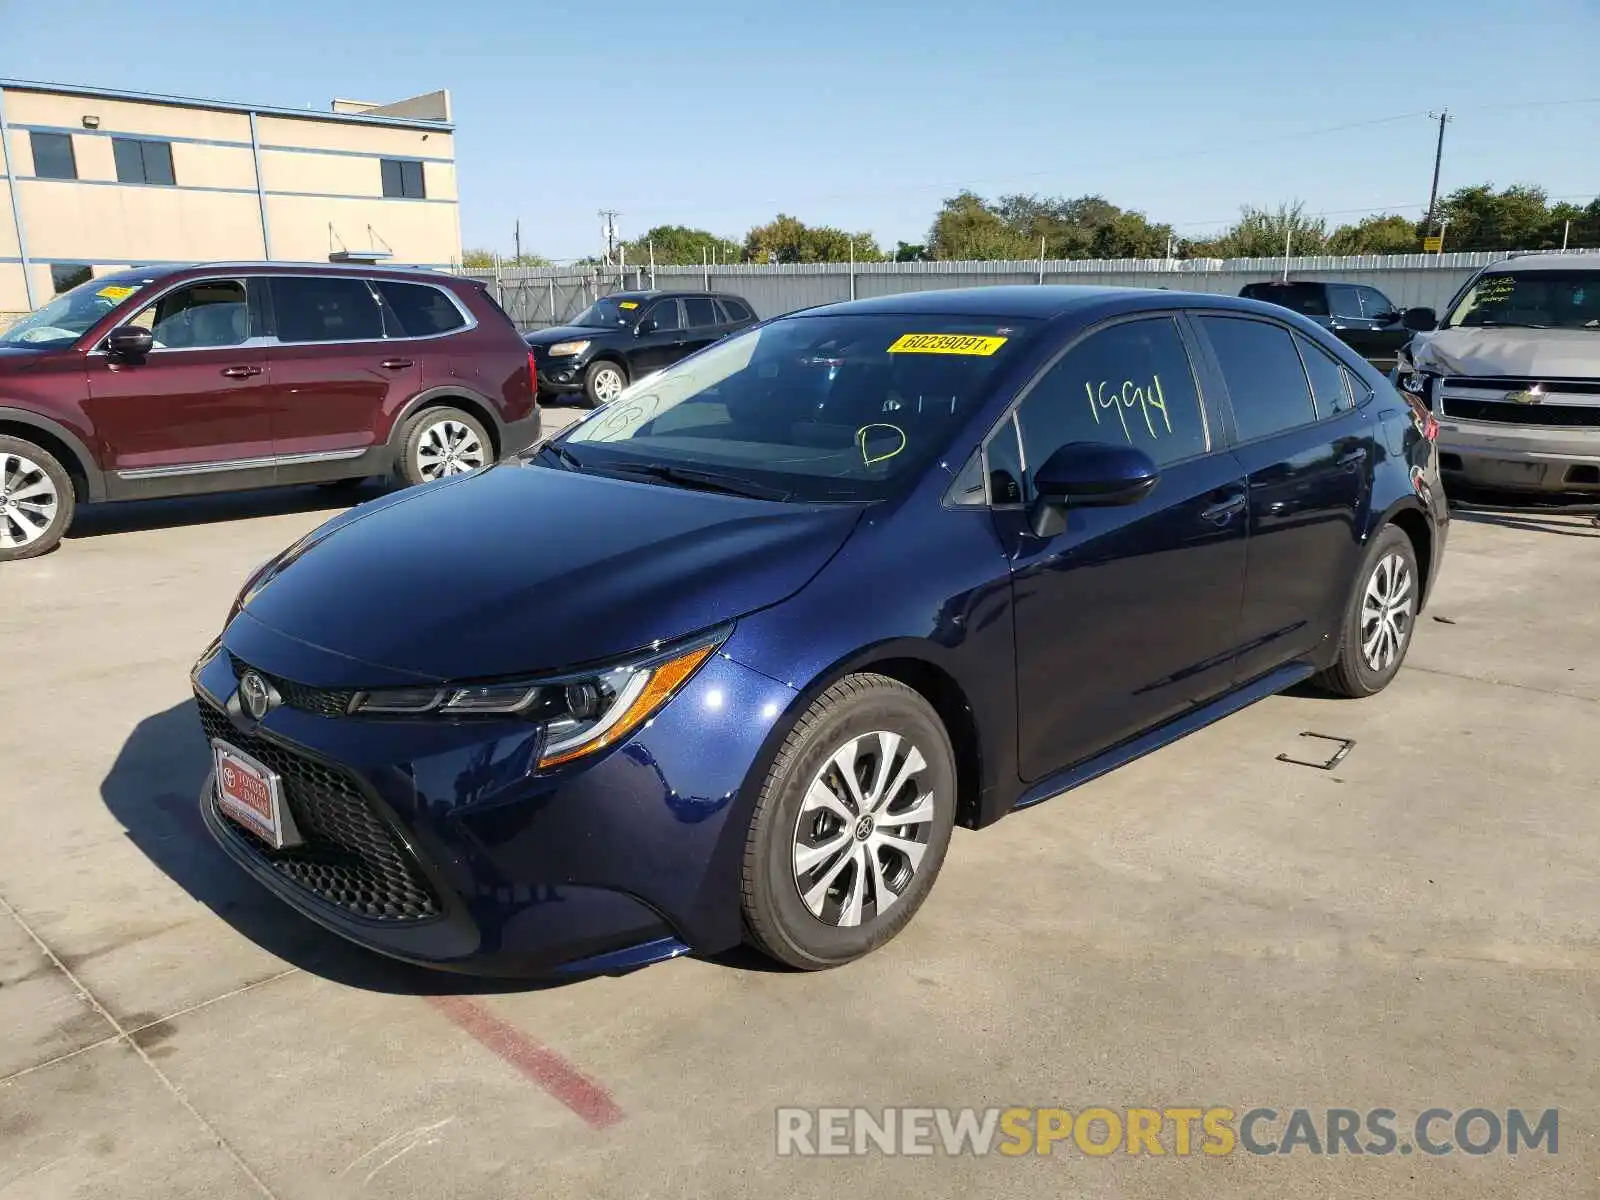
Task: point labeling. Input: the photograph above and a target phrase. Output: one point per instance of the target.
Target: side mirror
(129, 342)
(1420, 320)
(648, 325)
(1088, 475)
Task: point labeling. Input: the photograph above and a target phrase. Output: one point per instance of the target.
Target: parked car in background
(627, 335)
(1360, 316)
(165, 381)
(782, 647)
(1513, 375)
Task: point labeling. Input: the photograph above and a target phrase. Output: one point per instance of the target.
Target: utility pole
(1444, 118)
(608, 228)
(516, 239)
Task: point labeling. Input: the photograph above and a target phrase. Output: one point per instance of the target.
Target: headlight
(567, 349)
(580, 714)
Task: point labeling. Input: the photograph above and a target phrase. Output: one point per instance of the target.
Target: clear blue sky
(865, 113)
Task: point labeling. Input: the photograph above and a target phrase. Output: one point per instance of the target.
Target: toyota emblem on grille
(255, 697)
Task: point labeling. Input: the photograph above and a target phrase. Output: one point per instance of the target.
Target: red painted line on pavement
(539, 1063)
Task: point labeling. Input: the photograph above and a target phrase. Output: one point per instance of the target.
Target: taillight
(533, 375)
(1430, 428)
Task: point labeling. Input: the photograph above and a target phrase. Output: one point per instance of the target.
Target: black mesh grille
(1572, 415)
(350, 857)
(324, 702)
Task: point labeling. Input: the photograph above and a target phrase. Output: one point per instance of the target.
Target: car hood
(569, 333)
(1521, 353)
(524, 569)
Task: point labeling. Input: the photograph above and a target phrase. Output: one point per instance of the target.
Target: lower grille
(323, 702)
(351, 858)
(1551, 415)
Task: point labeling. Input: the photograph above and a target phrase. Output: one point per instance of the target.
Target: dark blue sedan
(730, 658)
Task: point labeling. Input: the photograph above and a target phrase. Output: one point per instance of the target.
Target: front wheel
(36, 500)
(602, 381)
(1379, 618)
(851, 826)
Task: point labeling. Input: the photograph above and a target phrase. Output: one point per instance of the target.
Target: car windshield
(1530, 300)
(812, 408)
(609, 312)
(70, 315)
(1311, 299)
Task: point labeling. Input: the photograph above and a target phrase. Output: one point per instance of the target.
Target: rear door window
(417, 310)
(1129, 384)
(1265, 378)
(320, 308)
(701, 312)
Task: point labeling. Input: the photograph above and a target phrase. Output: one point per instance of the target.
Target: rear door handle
(1351, 457)
(240, 372)
(1222, 511)
(395, 364)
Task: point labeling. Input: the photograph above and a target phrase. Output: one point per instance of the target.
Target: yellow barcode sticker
(946, 343)
(118, 294)
(629, 304)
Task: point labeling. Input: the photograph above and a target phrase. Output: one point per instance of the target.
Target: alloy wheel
(1386, 612)
(607, 384)
(448, 448)
(862, 830)
(28, 501)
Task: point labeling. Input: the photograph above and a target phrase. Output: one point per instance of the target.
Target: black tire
(1352, 673)
(410, 467)
(594, 379)
(777, 917)
(33, 474)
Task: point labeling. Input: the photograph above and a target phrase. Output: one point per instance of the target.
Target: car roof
(649, 294)
(157, 271)
(1545, 262)
(1041, 302)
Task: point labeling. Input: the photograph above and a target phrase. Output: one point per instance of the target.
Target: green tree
(679, 245)
(1387, 233)
(967, 229)
(787, 239)
(1515, 218)
(911, 252)
(1014, 226)
(1260, 233)
(485, 260)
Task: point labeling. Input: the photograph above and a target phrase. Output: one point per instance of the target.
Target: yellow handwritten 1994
(1130, 396)
(946, 343)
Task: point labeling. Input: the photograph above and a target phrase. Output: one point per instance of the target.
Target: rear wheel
(603, 380)
(440, 442)
(851, 826)
(36, 500)
(1379, 618)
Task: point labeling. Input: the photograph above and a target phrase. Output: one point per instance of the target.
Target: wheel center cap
(864, 829)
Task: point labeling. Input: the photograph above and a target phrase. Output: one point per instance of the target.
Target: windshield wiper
(705, 481)
(566, 457)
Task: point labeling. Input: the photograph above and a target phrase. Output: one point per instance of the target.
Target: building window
(52, 156)
(403, 180)
(64, 277)
(143, 162)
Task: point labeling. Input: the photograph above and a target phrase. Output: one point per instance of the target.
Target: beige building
(93, 180)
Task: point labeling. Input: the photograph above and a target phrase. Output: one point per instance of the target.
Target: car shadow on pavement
(152, 789)
(1533, 520)
(97, 520)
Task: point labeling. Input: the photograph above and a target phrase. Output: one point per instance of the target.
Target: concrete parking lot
(1207, 927)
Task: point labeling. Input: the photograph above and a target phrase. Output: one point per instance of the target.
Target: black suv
(1360, 316)
(627, 335)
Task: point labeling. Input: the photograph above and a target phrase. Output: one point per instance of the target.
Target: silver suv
(1512, 373)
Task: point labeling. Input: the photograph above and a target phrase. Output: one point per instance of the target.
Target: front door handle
(240, 372)
(1223, 511)
(395, 364)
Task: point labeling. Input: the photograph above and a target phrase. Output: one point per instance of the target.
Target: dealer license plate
(252, 796)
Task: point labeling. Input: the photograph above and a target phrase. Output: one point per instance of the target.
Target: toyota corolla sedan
(730, 658)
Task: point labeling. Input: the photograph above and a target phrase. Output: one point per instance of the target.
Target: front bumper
(559, 375)
(1519, 458)
(440, 845)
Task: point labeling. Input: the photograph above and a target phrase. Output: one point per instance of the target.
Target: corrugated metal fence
(541, 296)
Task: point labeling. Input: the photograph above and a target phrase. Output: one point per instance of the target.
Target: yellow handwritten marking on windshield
(1130, 396)
(115, 293)
(946, 343)
(629, 304)
(861, 440)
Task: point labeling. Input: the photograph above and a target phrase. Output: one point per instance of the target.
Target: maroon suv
(165, 381)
